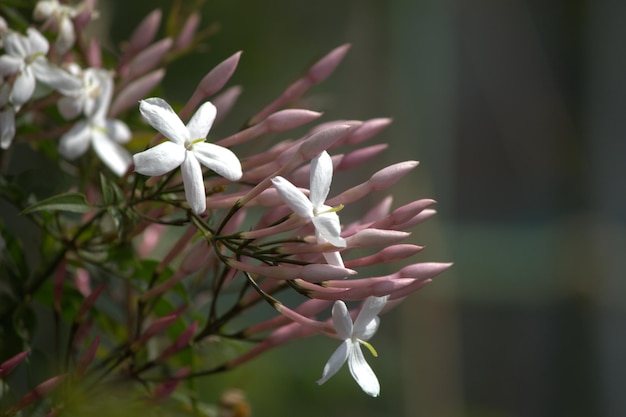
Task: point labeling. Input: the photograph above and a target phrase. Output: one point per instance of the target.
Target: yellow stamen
(369, 347)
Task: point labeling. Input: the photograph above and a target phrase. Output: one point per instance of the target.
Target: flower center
(328, 210)
(189, 145)
(368, 346)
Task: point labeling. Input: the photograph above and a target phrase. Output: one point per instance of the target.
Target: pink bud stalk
(277, 122)
(360, 157)
(187, 34)
(389, 254)
(381, 180)
(311, 272)
(88, 302)
(142, 36)
(147, 60)
(290, 224)
(82, 281)
(135, 91)
(93, 55)
(211, 83)
(368, 129)
(164, 390)
(372, 238)
(308, 308)
(87, 358)
(423, 270)
(225, 101)
(156, 327)
(315, 75)
(7, 366)
(318, 326)
(42, 390)
(181, 342)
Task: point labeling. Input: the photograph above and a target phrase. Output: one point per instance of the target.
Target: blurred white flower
(104, 135)
(187, 148)
(59, 17)
(84, 97)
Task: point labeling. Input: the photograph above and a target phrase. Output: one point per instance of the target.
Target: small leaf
(73, 202)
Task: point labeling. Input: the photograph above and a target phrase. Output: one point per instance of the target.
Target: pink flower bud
(144, 34)
(164, 390)
(7, 366)
(225, 101)
(360, 157)
(369, 238)
(88, 356)
(135, 91)
(311, 272)
(148, 58)
(403, 214)
(82, 281)
(42, 390)
(187, 34)
(424, 270)
(181, 342)
(368, 129)
(325, 66)
(156, 327)
(417, 219)
(88, 302)
(390, 254)
(93, 55)
(321, 141)
(308, 308)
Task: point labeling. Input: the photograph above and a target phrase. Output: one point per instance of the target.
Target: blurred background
(516, 110)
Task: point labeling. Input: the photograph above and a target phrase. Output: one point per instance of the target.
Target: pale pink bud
(285, 226)
(144, 34)
(88, 303)
(308, 308)
(417, 219)
(93, 55)
(403, 214)
(135, 91)
(382, 179)
(316, 74)
(181, 342)
(322, 140)
(164, 390)
(225, 101)
(148, 58)
(423, 270)
(211, 83)
(156, 327)
(40, 391)
(378, 289)
(390, 254)
(88, 356)
(378, 211)
(305, 321)
(409, 289)
(368, 129)
(360, 156)
(150, 238)
(7, 366)
(310, 273)
(82, 281)
(187, 34)
(325, 66)
(195, 258)
(370, 238)
(86, 14)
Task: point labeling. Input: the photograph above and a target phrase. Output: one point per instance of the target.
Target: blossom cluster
(201, 220)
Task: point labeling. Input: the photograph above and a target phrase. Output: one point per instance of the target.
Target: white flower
(105, 135)
(355, 335)
(60, 17)
(26, 57)
(323, 217)
(7, 117)
(187, 148)
(84, 97)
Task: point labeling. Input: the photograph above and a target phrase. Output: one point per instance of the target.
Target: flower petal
(194, 183)
(328, 229)
(57, 78)
(320, 178)
(221, 160)
(7, 127)
(111, 153)
(334, 258)
(23, 88)
(37, 43)
(10, 64)
(70, 107)
(293, 197)
(336, 361)
(371, 307)
(118, 131)
(160, 116)
(158, 160)
(362, 373)
(75, 141)
(66, 37)
(342, 320)
(201, 121)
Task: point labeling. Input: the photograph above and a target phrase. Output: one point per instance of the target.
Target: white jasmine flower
(323, 217)
(59, 16)
(104, 135)
(26, 57)
(355, 335)
(187, 148)
(84, 97)
(7, 117)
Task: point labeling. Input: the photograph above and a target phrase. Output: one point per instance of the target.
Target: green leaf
(73, 202)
